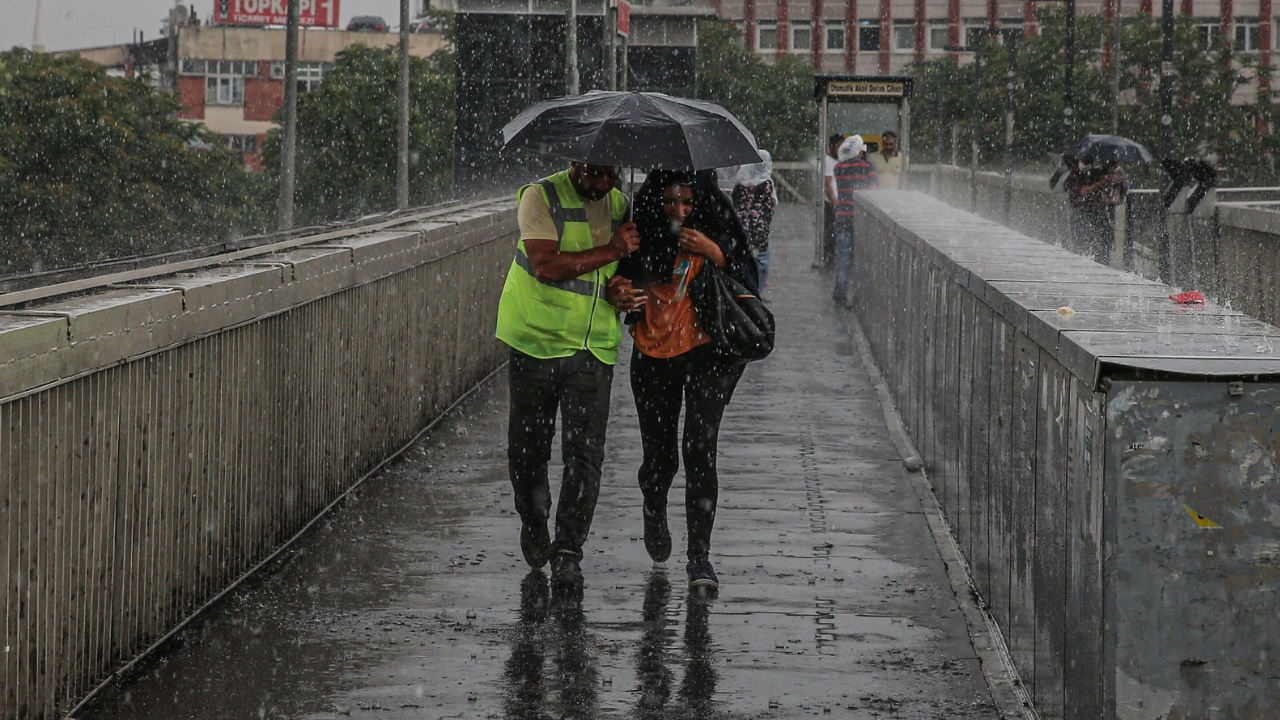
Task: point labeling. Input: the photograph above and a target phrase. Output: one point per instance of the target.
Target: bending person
(684, 222)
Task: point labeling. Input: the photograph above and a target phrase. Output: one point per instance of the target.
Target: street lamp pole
(1068, 78)
(1010, 80)
(1166, 125)
(289, 133)
(402, 115)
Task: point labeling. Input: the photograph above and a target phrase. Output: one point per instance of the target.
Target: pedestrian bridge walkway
(164, 432)
(412, 598)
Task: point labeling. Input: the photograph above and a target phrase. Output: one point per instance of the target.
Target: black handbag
(740, 326)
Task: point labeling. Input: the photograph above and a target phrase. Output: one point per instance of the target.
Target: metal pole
(289, 134)
(937, 139)
(1068, 80)
(611, 44)
(973, 130)
(571, 49)
(820, 189)
(1009, 83)
(626, 70)
(1115, 71)
(402, 115)
(1166, 126)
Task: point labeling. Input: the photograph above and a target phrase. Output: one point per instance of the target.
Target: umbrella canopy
(1113, 147)
(633, 129)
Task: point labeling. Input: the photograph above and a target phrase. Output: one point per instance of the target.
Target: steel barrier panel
(158, 439)
(1042, 543)
(1193, 551)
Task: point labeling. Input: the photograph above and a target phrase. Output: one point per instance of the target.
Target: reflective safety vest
(557, 318)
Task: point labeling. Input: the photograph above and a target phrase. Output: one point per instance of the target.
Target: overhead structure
(865, 105)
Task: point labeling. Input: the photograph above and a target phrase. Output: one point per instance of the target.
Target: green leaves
(347, 135)
(94, 167)
(1215, 116)
(775, 102)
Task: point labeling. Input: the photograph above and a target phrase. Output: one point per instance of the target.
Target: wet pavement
(411, 600)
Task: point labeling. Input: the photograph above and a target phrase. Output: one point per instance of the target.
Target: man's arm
(830, 182)
(550, 263)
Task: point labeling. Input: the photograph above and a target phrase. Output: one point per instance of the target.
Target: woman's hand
(623, 295)
(695, 242)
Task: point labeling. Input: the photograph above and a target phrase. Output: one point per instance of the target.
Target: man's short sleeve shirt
(536, 224)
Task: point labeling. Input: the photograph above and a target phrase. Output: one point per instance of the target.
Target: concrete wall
(1228, 247)
(159, 439)
(1065, 449)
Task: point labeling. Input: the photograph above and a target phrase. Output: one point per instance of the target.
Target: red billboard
(313, 13)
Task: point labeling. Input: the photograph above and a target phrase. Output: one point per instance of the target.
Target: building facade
(231, 78)
(883, 37)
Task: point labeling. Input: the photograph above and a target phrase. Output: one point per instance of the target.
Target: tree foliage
(775, 102)
(94, 167)
(1214, 115)
(346, 162)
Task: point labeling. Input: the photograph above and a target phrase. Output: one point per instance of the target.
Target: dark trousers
(1093, 232)
(704, 384)
(577, 386)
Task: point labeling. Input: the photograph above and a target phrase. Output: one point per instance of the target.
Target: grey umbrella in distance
(1113, 147)
(633, 129)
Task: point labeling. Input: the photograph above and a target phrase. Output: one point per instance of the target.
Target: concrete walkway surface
(412, 601)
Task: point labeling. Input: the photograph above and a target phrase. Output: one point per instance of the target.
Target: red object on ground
(1188, 297)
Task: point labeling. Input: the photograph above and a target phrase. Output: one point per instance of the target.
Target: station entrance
(865, 105)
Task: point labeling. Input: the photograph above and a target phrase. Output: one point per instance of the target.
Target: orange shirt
(670, 325)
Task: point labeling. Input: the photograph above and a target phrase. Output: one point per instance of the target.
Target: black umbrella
(633, 129)
(1113, 147)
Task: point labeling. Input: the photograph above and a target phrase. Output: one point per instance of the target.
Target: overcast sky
(72, 24)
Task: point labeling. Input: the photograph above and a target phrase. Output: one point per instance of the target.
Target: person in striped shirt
(853, 173)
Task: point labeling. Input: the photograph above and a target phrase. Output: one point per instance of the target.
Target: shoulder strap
(553, 204)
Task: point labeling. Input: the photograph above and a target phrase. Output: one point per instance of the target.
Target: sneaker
(701, 574)
(566, 574)
(535, 543)
(657, 536)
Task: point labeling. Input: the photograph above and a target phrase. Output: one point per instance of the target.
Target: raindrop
(471, 697)
(775, 703)
(471, 614)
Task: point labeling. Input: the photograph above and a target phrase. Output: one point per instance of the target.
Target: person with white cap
(853, 173)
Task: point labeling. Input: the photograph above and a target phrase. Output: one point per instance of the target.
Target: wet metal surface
(412, 601)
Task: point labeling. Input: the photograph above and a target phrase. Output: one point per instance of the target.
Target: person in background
(829, 193)
(1093, 191)
(853, 173)
(685, 222)
(559, 315)
(754, 197)
(889, 162)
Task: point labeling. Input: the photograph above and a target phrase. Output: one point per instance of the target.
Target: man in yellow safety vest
(559, 313)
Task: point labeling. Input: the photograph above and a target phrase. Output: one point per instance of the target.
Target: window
(242, 143)
(1248, 35)
(869, 35)
(801, 37)
(766, 37)
(835, 37)
(1205, 30)
(309, 74)
(223, 90)
(904, 37)
(938, 33)
(975, 33)
(243, 68)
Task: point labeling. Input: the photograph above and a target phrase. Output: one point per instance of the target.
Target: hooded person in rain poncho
(755, 198)
(853, 173)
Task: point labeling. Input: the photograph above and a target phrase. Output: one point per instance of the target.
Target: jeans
(762, 262)
(844, 259)
(578, 386)
(705, 384)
